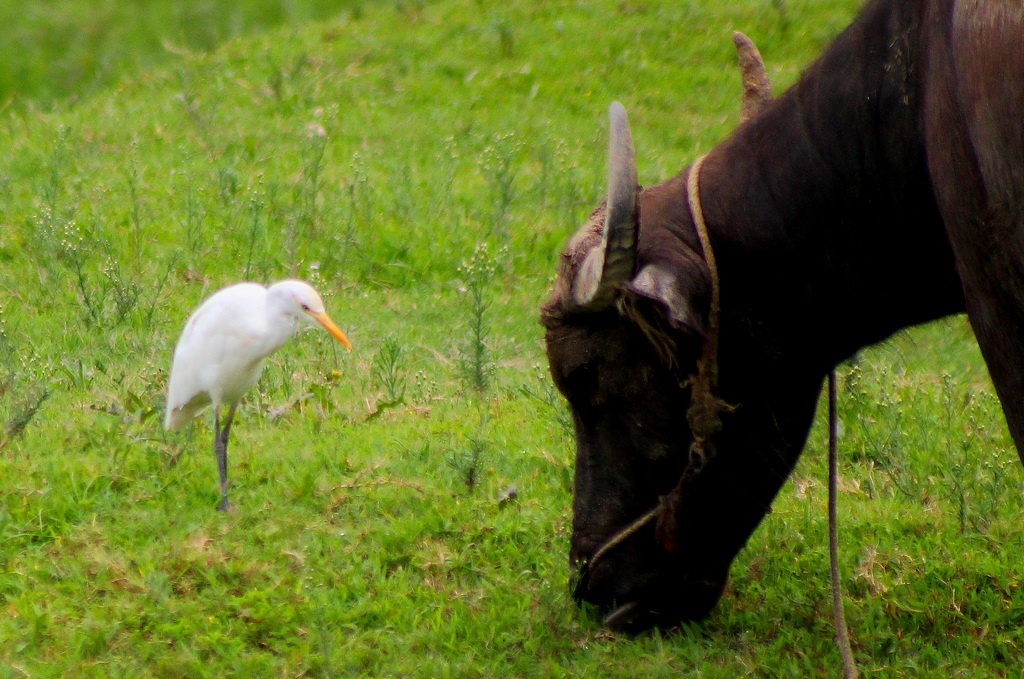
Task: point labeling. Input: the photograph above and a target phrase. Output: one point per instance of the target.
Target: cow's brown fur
(884, 189)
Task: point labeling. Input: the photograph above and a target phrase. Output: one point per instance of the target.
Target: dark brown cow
(884, 189)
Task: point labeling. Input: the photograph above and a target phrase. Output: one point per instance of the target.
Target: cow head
(625, 330)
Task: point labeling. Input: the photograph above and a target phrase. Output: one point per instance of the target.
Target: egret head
(305, 304)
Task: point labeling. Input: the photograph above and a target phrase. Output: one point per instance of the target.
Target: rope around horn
(705, 409)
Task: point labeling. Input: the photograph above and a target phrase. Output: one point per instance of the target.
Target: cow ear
(658, 284)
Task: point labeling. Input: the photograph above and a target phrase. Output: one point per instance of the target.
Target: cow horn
(609, 265)
(757, 90)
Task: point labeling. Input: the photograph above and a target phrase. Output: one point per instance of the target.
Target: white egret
(222, 348)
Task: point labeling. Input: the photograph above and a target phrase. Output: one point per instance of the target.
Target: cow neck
(702, 416)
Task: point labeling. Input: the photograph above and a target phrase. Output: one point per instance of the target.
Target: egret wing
(214, 360)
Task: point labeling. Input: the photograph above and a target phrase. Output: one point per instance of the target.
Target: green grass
(60, 54)
(372, 154)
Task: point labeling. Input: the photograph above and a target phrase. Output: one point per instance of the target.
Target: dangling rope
(838, 617)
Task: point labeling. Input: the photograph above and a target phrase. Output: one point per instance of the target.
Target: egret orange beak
(323, 319)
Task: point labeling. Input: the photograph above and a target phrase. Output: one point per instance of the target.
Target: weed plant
(475, 364)
(389, 371)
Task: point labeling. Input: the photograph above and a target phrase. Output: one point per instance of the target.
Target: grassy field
(422, 163)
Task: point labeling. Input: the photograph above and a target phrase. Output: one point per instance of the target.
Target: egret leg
(220, 447)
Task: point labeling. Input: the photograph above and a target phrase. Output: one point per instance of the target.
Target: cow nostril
(623, 617)
(629, 618)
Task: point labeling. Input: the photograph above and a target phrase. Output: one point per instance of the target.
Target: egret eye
(305, 307)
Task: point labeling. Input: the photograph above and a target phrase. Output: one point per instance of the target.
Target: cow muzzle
(632, 617)
(635, 592)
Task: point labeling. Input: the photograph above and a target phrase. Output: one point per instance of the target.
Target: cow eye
(581, 381)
